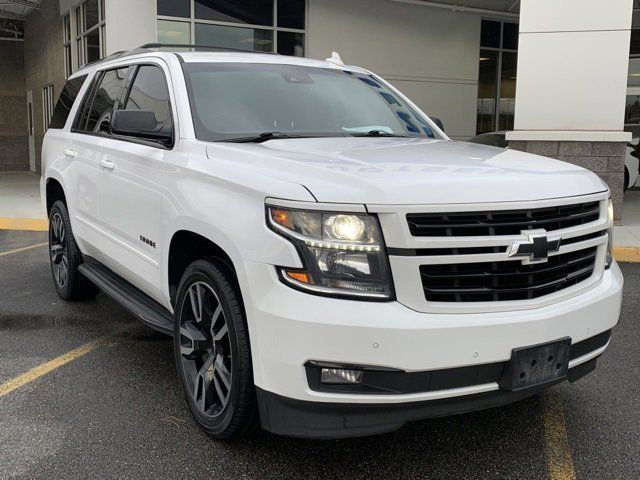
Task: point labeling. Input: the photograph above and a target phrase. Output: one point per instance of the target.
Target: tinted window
(510, 36)
(174, 8)
(65, 102)
(256, 12)
(291, 43)
(97, 117)
(172, 32)
(234, 37)
(149, 92)
(490, 34)
(291, 13)
(634, 48)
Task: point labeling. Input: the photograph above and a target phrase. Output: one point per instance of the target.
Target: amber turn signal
(298, 276)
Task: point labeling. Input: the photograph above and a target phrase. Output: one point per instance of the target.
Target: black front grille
(501, 222)
(509, 280)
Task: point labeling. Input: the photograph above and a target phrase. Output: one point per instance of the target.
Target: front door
(131, 187)
(31, 131)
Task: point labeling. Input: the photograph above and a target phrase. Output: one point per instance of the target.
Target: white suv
(326, 259)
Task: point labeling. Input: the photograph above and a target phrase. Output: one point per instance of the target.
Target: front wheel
(212, 353)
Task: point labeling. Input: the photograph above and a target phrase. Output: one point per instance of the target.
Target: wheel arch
(187, 246)
(54, 191)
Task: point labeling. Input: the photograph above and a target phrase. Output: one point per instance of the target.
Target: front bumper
(288, 328)
(297, 418)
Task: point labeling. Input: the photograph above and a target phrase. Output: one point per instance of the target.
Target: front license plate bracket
(537, 365)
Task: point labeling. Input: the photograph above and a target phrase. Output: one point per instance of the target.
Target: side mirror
(140, 124)
(438, 122)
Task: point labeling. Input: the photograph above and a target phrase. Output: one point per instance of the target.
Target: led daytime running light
(343, 246)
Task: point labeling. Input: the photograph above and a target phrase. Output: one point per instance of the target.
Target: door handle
(107, 164)
(70, 152)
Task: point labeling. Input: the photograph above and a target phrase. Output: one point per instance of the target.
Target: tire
(212, 351)
(626, 179)
(65, 257)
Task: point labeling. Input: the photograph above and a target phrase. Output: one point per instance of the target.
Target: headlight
(609, 234)
(343, 253)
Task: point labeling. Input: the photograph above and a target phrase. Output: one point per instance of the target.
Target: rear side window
(96, 117)
(65, 102)
(149, 92)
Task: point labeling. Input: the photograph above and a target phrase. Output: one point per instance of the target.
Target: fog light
(340, 376)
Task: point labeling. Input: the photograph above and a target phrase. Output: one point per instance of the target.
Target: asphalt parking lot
(112, 408)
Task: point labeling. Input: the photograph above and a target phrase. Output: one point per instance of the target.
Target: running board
(150, 312)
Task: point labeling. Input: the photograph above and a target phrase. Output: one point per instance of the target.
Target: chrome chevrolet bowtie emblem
(536, 248)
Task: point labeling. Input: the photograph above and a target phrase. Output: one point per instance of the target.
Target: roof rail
(148, 47)
(202, 47)
(118, 54)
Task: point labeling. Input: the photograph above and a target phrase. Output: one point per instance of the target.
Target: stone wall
(43, 60)
(606, 159)
(14, 150)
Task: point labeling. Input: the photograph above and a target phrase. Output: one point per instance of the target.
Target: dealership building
(562, 76)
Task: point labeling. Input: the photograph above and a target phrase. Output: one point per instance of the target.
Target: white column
(129, 24)
(573, 57)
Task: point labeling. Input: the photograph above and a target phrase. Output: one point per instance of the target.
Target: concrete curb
(627, 254)
(25, 224)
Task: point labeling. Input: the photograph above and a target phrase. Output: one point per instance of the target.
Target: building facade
(459, 64)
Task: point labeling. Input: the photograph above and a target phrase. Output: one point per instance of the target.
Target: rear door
(84, 152)
(131, 184)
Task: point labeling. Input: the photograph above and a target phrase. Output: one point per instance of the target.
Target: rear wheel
(212, 353)
(65, 257)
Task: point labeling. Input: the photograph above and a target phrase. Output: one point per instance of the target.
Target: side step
(150, 312)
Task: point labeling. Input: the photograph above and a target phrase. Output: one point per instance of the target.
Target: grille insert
(501, 222)
(509, 280)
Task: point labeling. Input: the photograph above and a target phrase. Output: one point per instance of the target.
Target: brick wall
(14, 153)
(44, 61)
(606, 159)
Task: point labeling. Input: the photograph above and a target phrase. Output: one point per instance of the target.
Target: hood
(409, 171)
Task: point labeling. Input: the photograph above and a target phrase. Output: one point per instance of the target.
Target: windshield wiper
(377, 133)
(262, 137)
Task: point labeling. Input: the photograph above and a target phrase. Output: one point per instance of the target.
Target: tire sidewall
(199, 272)
(73, 254)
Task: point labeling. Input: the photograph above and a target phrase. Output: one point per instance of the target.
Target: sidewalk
(626, 237)
(20, 206)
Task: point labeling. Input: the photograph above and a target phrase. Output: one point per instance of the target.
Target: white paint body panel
(218, 190)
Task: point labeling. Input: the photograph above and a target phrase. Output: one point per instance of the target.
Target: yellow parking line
(47, 367)
(559, 460)
(22, 249)
(31, 224)
(627, 254)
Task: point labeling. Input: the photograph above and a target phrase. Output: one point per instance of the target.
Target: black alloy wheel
(65, 257)
(59, 250)
(212, 351)
(205, 351)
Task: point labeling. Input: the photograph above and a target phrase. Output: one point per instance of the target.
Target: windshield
(239, 100)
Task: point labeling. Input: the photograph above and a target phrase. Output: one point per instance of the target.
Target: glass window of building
(66, 31)
(90, 31)
(47, 105)
(632, 107)
(252, 25)
(497, 76)
(174, 8)
(174, 32)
